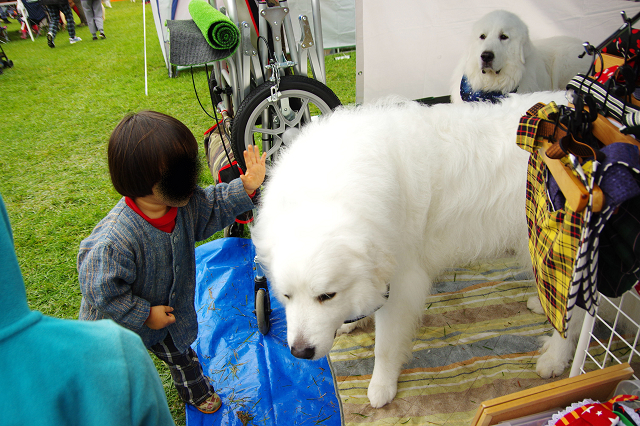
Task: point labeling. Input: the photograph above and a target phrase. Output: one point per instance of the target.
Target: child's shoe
(102, 34)
(74, 39)
(211, 405)
(94, 37)
(50, 39)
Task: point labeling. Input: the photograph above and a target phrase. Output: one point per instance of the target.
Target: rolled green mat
(219, 31)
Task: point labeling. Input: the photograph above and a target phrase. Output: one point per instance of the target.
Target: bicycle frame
(235, 74)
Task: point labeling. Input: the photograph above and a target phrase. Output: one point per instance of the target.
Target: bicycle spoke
(264, 131)
(276, 146)
(302, 113)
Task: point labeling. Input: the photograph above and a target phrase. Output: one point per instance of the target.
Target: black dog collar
(386, 296)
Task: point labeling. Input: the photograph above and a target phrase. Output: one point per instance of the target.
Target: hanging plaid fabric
(554, 233)
(569, 267)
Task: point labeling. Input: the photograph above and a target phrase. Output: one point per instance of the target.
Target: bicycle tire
(261, 311)
(299, 90)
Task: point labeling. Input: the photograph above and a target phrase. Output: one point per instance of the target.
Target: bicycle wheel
(262, 314)
(260, 120)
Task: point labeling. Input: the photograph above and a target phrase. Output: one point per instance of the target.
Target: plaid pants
(190, 382)
(54, 17)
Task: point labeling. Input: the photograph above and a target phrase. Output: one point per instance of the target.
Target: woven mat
(187, 45)
(477, 341)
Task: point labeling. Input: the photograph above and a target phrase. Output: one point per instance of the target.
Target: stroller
(6, 62)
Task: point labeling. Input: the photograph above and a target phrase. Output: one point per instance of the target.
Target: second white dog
(370, 204)
(501, 59)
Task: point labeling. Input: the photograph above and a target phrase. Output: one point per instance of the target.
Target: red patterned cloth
(596, 414)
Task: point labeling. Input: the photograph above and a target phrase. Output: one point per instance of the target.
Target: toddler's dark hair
(141, 147)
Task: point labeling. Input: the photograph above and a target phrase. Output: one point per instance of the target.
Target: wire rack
(611, 336)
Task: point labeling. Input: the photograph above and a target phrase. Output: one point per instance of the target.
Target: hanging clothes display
(554, 233)
(580, 251)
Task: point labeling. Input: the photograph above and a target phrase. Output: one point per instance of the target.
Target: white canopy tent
(410, 47)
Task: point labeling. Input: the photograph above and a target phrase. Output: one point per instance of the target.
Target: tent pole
(144, 31)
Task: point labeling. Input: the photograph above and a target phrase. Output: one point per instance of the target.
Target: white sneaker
(74, 40)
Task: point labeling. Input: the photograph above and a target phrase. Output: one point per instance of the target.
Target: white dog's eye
(504, 37)
(325, 297)
(286, 296)
(483, 36)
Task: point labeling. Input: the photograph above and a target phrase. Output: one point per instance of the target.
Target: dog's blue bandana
(468, 95)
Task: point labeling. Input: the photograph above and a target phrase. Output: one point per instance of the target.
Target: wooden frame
(597, 385)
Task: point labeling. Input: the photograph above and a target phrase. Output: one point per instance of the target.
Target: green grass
(60, 106)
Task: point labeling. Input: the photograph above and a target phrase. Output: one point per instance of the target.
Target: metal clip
(275, 94)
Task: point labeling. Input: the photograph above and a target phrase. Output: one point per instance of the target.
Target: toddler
(138, 265)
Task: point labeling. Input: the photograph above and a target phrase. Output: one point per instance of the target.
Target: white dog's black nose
(487, 56)
(303, 352)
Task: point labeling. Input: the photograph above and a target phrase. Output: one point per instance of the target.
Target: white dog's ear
(525, 50)
(376, 260)
(526, 47)
(384, 262)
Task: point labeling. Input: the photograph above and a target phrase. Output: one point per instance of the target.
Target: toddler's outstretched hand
(254, 176)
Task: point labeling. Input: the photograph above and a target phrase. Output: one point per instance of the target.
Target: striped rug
(477, 341)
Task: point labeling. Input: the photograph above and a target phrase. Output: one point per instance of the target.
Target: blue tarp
(255, 375)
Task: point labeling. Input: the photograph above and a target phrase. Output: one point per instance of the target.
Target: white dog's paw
(534, 305)
(556, 355)
(546, 342)
(550, 365)
(347, 328)
(381, 393)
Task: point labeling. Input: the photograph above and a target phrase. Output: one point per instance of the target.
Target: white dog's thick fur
(386, 196)
(557, 352)
(501, 58)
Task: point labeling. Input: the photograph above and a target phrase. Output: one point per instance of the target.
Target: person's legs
(88, 13)
(80, 13)
(98, 16)
(54, 19)
(71, 25)
(190, 382)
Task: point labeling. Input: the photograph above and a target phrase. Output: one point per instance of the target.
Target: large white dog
(500, 59)
(371, 203)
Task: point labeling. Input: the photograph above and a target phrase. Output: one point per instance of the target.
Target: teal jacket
(67, 372)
